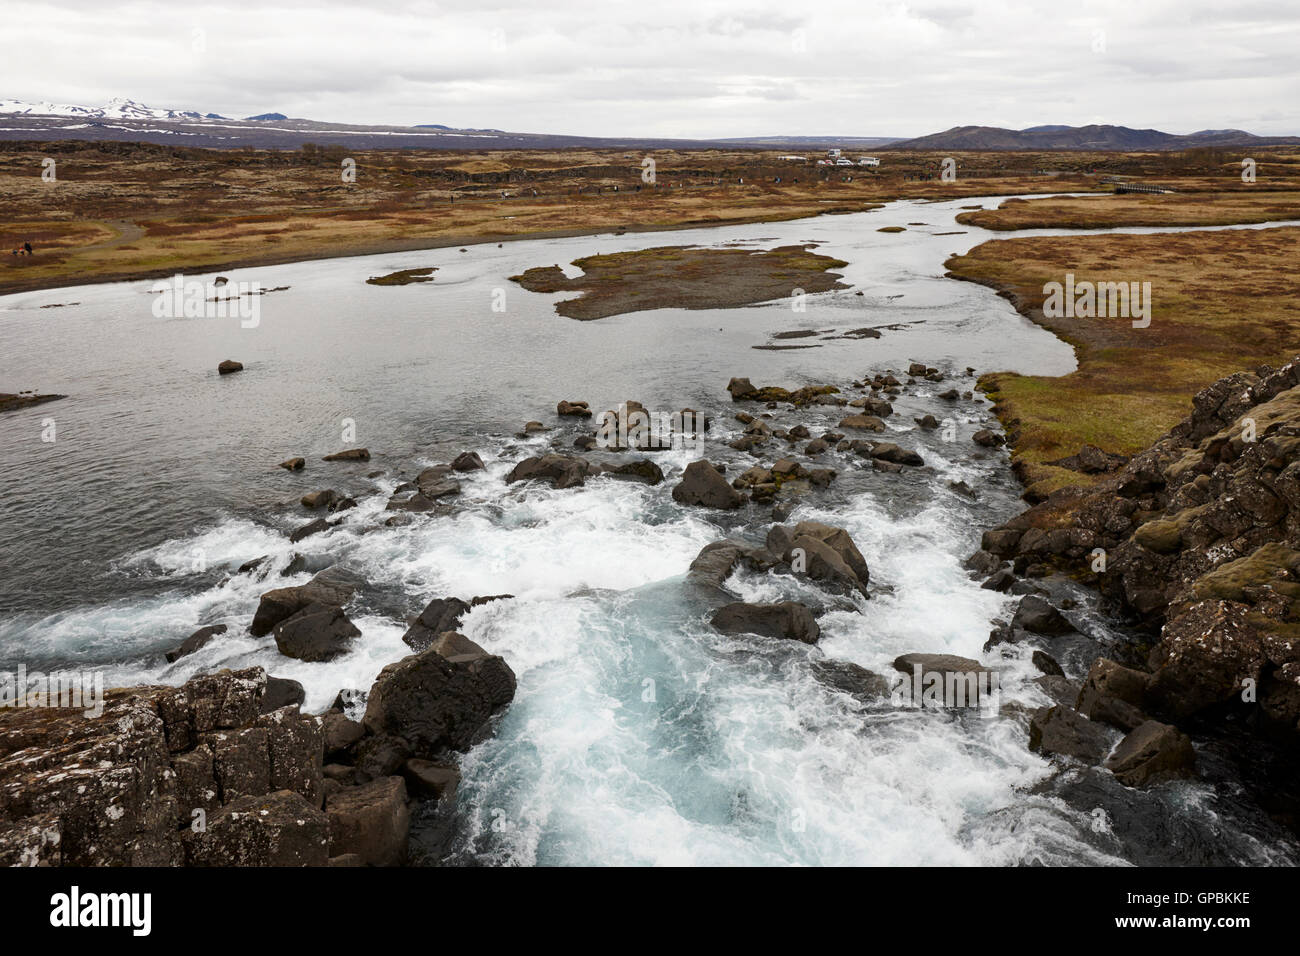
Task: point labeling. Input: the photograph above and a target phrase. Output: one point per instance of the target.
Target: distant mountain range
(125, 120)
(1083, 137)
(118, 108)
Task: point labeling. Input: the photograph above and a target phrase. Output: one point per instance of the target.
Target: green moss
(1267, 565)
(1162, 536)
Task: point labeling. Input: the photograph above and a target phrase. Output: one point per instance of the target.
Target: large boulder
(785, 619)
(319, 632)
(441, 614)
(275, 829)
(889, 452)
(641, 470)
(563, 471)
(282, 692)
(863, 423)
(334, 586)
(715, 562)
(704, 485)
(320, 499)
(1151, 753)
(436, 701)
(782, 541)
(1204, 657)
(1062, 730)
(371, 820)
(1114, 694)
(1036, 616)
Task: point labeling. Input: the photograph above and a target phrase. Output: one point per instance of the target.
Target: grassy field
(129, 210)
(1221, 302)
(1242, 205)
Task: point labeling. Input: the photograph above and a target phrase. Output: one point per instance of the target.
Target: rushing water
(639, 734)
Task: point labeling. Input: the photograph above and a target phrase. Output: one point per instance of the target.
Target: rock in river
(319, 632)
(704, 485)
(786, 619)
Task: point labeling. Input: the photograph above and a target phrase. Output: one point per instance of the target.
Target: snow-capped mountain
(118, 108)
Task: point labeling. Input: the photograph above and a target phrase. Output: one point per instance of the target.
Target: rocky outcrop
(1197, 539)
(137, 785)
(436, 702)
(333, 587)
(214, 773)
(702, 484)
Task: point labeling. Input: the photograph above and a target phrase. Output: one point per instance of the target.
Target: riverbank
(1219, 301)
(1240, 206)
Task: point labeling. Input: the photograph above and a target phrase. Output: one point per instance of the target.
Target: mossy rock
(1163, 536)
(1267, 565)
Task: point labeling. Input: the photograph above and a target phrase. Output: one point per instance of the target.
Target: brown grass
(1221, 302)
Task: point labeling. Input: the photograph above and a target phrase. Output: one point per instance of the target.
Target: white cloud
(693, 68)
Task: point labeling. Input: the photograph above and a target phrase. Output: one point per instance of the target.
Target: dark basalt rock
(786, 619)
(282, 692)
(1035, 615)
(276, 829)
(852, 679)
(467, 461)
(703, 485)
(334, 586)
(562, 471)
(1062, 730)
(642, 470)
(1152, 753)
(196, 640)
(371, 821)
(319, 632)
(436, 702)
(320, 499)
(350, 454)
(309, 529)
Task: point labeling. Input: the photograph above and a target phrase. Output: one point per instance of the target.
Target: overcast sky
(690, 68)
